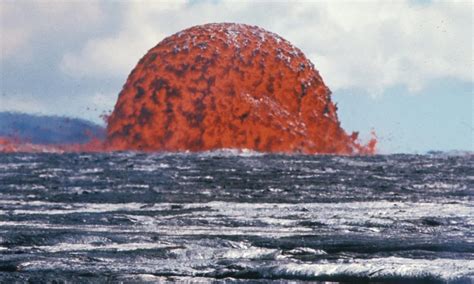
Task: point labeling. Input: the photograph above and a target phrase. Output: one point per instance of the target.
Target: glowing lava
(220, 86)
(227, 86)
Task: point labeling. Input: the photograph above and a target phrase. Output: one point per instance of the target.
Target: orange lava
(220, 86)
(227, 86)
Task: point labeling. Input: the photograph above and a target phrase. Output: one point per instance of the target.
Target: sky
(403, 69)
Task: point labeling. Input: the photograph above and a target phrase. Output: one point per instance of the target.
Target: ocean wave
(231, 153)
(376, 269)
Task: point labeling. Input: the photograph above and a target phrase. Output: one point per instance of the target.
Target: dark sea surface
(236, 217)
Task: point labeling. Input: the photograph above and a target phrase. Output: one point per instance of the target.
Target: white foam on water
(251, 253)
(438, 185)
(377, 268)
(91, 171)
(151, 166)
(304, 250)
(68, 247)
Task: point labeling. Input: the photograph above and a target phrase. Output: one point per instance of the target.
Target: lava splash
(227, 86)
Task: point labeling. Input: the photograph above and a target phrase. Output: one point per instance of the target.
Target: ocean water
(236, 217)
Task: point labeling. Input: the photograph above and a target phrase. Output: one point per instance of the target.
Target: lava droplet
(227, 86)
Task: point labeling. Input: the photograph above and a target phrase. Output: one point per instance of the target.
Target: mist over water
(240, 216)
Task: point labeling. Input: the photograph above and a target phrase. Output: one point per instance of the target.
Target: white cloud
(23, 22)
(373, 46)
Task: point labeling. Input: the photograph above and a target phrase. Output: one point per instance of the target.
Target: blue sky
(403, 69)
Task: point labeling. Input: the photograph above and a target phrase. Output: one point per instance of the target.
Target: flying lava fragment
(227, 85)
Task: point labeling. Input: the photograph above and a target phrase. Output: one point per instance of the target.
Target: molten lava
(227, 86)
(221, 86)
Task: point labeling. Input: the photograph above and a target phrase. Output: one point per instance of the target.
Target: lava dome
(227, 85)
